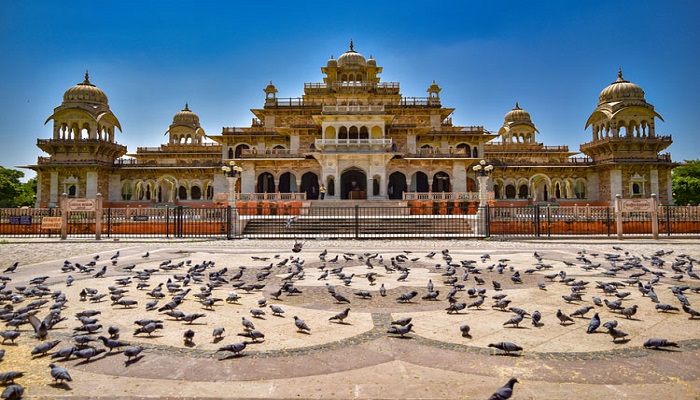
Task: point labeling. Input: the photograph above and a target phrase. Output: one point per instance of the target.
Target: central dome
(85, 92)
(186, 117)
(517, 115)
(352, 58)
(621, 90)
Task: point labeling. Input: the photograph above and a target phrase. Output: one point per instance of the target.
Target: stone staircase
(358, 219)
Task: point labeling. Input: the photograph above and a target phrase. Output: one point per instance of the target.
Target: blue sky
(150, 57)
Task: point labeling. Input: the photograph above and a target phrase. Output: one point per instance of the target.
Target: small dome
(186, 117)
(351, 58)
(332, 63)
(621, 90)
(371, 62)
(518, 115)
(85, 92)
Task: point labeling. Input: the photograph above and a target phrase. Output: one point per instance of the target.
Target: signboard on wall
(636, 205)
(82, 204)
(51, 223)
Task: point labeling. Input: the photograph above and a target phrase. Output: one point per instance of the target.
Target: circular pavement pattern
(357, 358)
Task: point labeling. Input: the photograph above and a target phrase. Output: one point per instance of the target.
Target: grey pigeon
(88, 353)
(406, 297)
(130, 352)
(563, 318)
(235, 348)
(690, 311)
(9, 335)
(41, 328)
(515, 320)
(12, 392)
(581, 312)
(628, 312)
(465, 331)
(113, 332)
(340, 316)
(218, 332)
(400, 329)
(610, 324)
(45, 347)
(276, 310)
(508, 347)
(10, 376)
(505, 391)
(190, 318)
(301, 325)
(247, 324)
(594, 323)
(536, 318)
(112, 344)
(340, 298)
(456, 308)
(382, 290)
(616, 334)
(149, 328)
(655, 343)
(402, 321)
(188, 335)
(64, 353)
(253, 334)
(59, 373)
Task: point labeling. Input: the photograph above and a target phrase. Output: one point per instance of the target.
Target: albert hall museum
(352, 136)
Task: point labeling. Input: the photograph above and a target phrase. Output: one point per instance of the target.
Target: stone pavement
(358, 359)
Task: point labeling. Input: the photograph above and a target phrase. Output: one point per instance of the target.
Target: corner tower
(626, 151)
(82, 149)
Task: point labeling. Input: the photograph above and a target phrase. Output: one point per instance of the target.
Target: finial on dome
(187, 107)
(619, 72)
(87, 78)
(331, 56)
(352, 45)
(517, 106)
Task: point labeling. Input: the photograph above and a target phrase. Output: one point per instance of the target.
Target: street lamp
(483, 175)
(232, 173)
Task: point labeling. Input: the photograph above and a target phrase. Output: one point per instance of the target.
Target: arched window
(510, 191)
(182, 193)
(196, 193)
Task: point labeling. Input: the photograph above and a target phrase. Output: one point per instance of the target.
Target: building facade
(361, 139)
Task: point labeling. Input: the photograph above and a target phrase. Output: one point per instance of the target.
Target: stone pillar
(53, 191)
(615, 184)
(654, 180)
(91, 184)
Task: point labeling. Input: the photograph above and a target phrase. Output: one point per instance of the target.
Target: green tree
(14, 193)
(686, 183)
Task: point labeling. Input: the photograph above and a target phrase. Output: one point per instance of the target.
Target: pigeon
(536, 318)
(253, 334)
(628, 312)
(581, 312)
(112, 344)
(505, 391)
(276, 310)
(59, 374)
(456, 308)
(563, 318)
(690, 311)
(515, 320)
(663, 307)
(218, 332)
(10, 376)
(45, 347)
(41, 328)
(247, 324)
(64, 353)
(593, 324)
(134, 351)
(12, 392)
(402, 321)
(301, 325)
(190, 318)
(400, 329)
(465, 331)
(508, 347)
(340, 298)
(9, 335)
(113, 332)
(478, 303)
(235, 348)
(340, 316)
(188, 335)
(382, 290)
(88, 353)
(406, 297)
(655, 343)
(11, 268)
(149, 328)
(616, 334)
(610, 324)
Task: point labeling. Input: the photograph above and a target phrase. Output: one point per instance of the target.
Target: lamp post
(483, 175)
(232, 173)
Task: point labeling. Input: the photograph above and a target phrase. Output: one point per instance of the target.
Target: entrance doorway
(353, 184)
(397, 185)
(309, 184)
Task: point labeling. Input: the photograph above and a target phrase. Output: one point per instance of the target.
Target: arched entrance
(288, 183)
(266, 183)
(353, 184)
(419, 183)
(397, 185)
(441, 182)
(309, 184)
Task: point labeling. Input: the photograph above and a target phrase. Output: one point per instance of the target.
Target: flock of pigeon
(38, 309)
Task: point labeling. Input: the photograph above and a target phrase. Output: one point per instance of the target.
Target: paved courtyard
(357, 358)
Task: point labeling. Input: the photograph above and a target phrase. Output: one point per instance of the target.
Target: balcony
(361, 109)
(271, 154)
(437, 152)
(359, 145)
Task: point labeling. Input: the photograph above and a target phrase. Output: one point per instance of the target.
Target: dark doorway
(309, 185)
(397, 186)
(353, 184)
(441, 182)
(285, 185)
(421, 180)
(266, 183)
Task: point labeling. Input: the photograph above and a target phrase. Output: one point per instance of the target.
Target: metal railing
(419, 219)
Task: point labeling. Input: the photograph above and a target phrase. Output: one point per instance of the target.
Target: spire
(352, 45)
(517, 106)
(87, 79)
(187, 107)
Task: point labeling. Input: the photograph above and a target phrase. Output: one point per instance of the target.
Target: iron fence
(281, 220)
